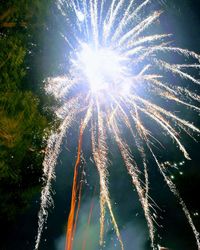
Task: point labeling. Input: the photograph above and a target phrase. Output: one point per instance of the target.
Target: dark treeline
(25, 114)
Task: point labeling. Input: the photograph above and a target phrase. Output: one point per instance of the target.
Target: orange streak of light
(70, 224)
(79, 205)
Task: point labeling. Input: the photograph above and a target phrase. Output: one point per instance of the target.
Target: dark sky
(182, 18)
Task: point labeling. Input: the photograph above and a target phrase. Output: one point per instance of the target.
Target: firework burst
(118, 71)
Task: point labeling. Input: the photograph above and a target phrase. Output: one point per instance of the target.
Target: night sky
(182, 18)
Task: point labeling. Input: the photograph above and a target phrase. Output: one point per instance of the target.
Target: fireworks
(119, 68)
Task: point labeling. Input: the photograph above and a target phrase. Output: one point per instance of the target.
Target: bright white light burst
(103, 68)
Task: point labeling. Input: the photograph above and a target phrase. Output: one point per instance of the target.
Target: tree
(23, 121)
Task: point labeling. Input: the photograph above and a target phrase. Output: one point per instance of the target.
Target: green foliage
(11, 59)
(23, 120)
(23, 13)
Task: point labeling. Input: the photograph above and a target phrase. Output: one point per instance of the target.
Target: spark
(119, 79)
(80, 16)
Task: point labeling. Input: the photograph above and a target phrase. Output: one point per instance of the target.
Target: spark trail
(121, 80)
(71, 223)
